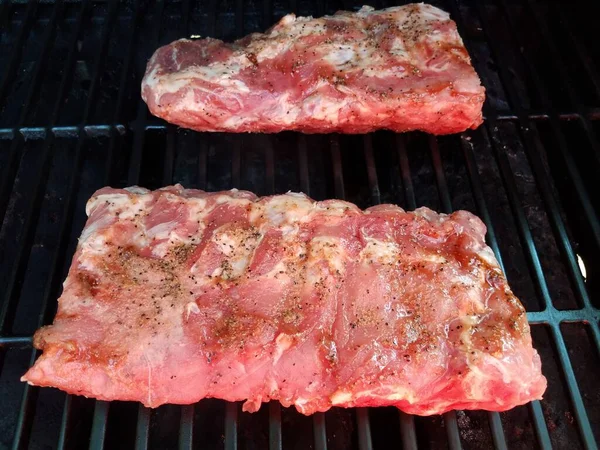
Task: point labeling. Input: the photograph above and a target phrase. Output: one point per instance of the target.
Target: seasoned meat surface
(176, 295)
(402, 68)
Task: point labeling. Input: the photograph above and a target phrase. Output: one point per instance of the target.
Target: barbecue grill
(72, 121)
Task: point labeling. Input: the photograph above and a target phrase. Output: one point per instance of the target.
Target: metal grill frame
(525, 121)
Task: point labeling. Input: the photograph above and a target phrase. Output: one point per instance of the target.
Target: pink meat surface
(402, 68)
(176, 295)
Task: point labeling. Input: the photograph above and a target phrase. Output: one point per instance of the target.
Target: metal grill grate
(72, 121)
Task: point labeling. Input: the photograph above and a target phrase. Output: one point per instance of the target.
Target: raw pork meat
(402, 68)
(177, 295)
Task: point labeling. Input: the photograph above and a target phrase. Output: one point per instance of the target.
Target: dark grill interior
(72, 121)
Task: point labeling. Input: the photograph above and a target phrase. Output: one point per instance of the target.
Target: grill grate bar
(275, 442)
(364, 429)
(539, 423)
(139, 126)
(338, 177)
(303, 165)
(482, 209)
(440, 177)
(122, 89)
(98, 434)
(556, 315)
(102, 54)
(371, 170)
(497, 430)
(142, 428)
(477, 189)
(408, 432)
(567, 83)
(583, 422)
(202, 161)
(407, 184)
(103, 129)
(24, 411)
(319, 431)
(14, 341)
(133, 177)
(552, 207)
(446, 206)
(169, 157)
(231, 413)
(68, 74)
(452, 431)
(186, 428)
(520, 219)
(595, 327)
(270, 167)
(64, 422)
(407, 424)
(275, 439)
(186, 424)
(236, 162)
(99, 425)
(362, 414)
